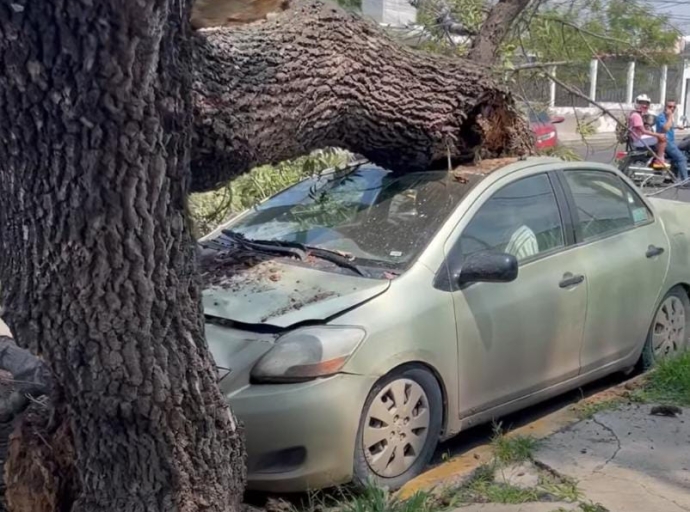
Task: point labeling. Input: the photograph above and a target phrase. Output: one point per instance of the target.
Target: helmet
(643, 98)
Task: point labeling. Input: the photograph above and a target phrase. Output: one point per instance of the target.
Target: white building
(396, 13)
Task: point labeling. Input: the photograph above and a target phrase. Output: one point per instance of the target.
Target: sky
(677, 10)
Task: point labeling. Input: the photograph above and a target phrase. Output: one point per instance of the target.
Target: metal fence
(612, 79)
(610, 76)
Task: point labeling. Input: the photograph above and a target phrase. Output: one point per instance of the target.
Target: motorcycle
(636, 163)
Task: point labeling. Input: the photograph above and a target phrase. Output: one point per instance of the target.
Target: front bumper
(301, 436)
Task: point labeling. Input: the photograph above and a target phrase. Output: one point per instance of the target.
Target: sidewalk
(626, 460)
(623, 460)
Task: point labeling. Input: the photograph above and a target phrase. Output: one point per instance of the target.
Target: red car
(542, 125)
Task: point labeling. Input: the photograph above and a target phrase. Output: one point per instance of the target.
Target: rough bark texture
(317, 76)
(502, 16)
(98, 269)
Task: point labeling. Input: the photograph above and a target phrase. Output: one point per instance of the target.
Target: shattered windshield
(372, 215)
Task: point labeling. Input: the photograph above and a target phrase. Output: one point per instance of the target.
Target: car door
(625, 253)
(518, 337)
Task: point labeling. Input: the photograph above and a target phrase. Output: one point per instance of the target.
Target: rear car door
(516, 338)
(625, 252)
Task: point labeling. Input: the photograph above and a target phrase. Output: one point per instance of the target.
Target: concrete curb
(460, 468)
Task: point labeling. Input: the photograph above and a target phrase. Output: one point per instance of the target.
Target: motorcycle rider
(665, 123)
(642, 136)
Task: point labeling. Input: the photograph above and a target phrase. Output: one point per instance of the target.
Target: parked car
(359, 317)
(543, 126)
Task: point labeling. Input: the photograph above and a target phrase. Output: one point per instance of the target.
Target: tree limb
(317, 76)
(540, 65)
(485, 46)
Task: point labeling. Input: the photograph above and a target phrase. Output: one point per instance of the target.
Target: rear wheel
(399, 428)
(670, 330)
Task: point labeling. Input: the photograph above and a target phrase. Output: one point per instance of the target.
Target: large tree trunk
(317, 76)
(98, 264)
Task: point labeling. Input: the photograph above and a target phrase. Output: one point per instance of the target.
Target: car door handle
(571, 280)
(653, 250)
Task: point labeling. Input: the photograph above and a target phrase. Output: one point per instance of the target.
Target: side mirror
(488, 267)
(557, 119)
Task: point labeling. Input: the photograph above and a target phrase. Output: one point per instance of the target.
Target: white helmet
(643, 98)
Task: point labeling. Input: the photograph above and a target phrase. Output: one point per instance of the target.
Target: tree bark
(98, 269)
(317, 76)
(487, 44)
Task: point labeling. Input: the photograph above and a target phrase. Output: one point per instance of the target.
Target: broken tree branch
(540, 65)
(318, 76)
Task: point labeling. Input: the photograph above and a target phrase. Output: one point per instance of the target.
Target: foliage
(565, 490)
(588, 409)
(512, 449)
(593, 507)
(565, 153)
(586, 128)
(574, 31)
(613, 28)
(669, 382)
(351, 5)
(376, 499)
(210, 209)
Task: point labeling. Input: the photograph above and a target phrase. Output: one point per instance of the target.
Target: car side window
(521, 219)
(605, 204)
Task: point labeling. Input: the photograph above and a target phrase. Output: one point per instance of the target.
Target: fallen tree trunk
(317, 76)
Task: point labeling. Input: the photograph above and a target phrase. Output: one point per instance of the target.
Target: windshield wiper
(294, 249)
(270, 246)
(334, 257)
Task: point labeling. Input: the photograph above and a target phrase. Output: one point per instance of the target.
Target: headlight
(308, 353)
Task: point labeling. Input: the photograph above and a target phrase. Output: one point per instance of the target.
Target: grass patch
(369, 499)
(492, 492)
(375, 499)
(593, 507)
(509, 450)
(668, 383)
(561, 490)
(587, 410)
(586, 507)
(482, 488)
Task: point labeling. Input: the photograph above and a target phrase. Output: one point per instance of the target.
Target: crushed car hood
(281, 294)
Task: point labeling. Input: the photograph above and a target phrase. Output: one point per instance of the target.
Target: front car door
(516, 338)
(625, 253)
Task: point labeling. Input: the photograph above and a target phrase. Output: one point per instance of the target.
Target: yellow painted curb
(462, 466)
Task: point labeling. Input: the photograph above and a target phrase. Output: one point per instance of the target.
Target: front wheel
(669, 333)
(399, 428)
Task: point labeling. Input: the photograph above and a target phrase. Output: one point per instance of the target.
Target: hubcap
(668, 335)
(396, 428)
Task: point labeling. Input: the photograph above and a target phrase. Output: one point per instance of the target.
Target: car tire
(399, 427)
(669, 334)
